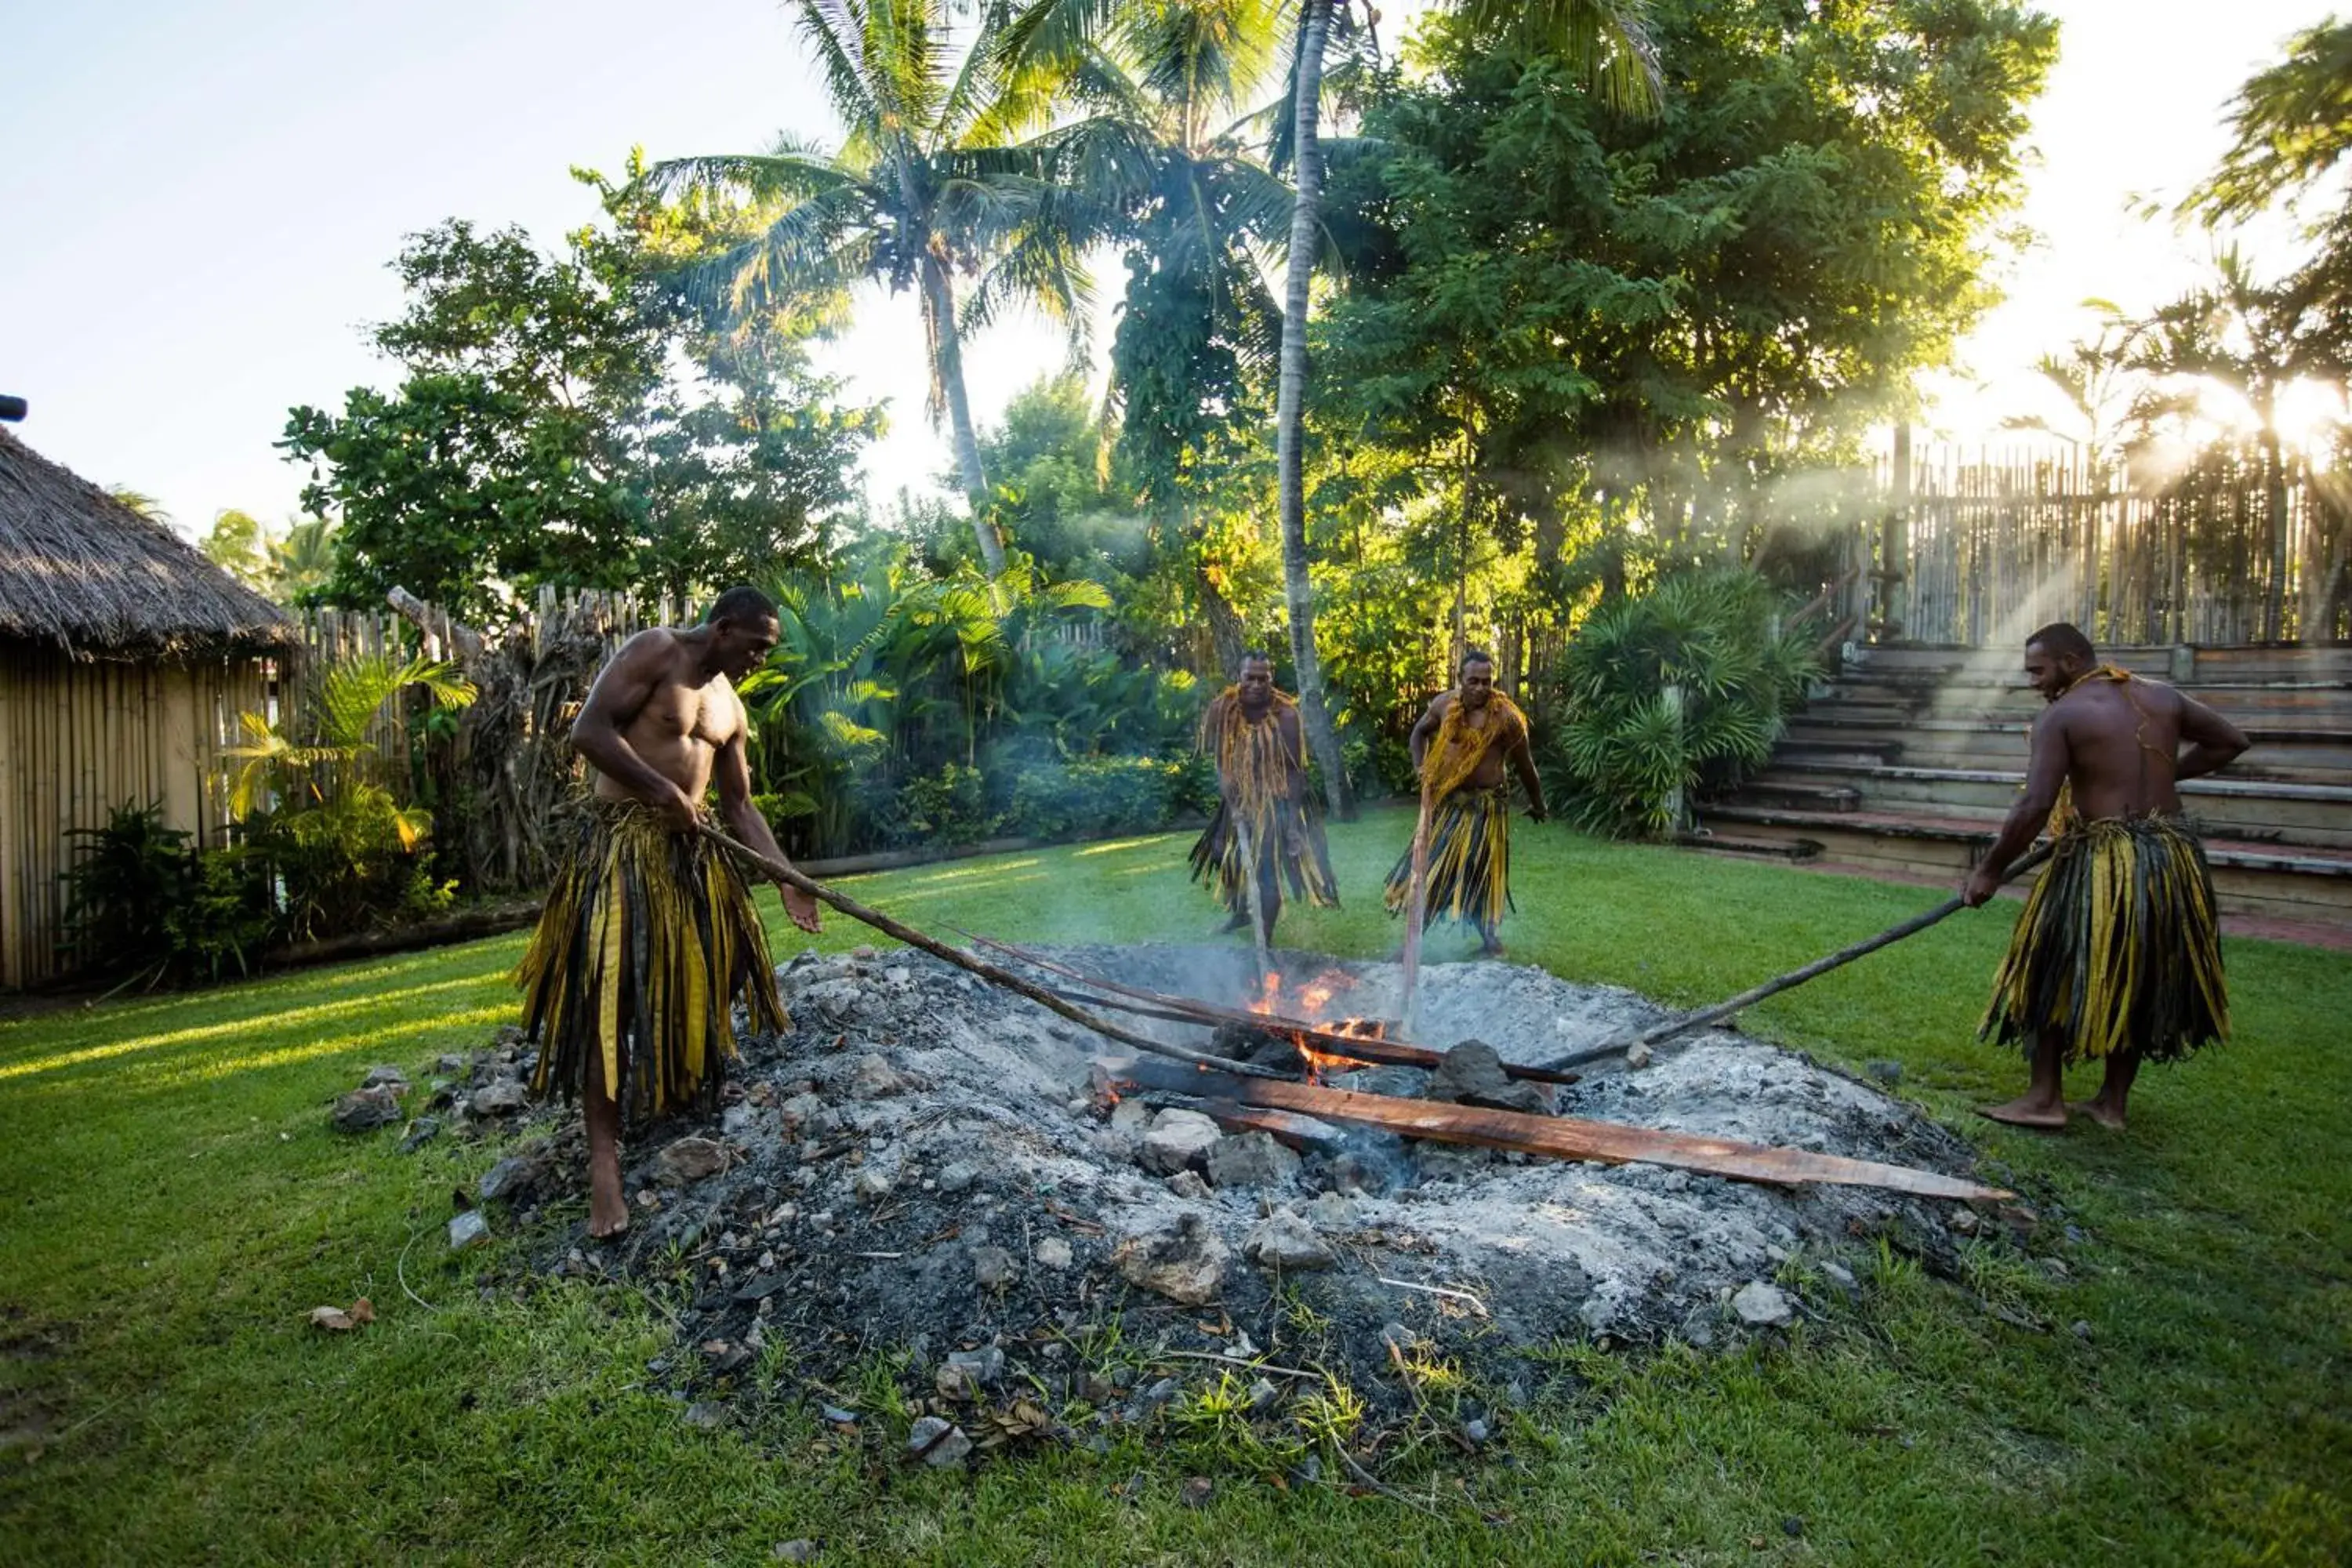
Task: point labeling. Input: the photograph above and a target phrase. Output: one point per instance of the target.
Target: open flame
(1310, 1003)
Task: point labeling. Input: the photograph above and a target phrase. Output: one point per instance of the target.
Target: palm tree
(2253, 339)
(933, 182)
(2290, 124)
(304, 559)
(2094, 375)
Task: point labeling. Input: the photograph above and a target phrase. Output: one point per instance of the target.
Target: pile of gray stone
(919, 1168)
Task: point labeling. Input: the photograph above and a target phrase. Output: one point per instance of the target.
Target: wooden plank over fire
(1558, 1137)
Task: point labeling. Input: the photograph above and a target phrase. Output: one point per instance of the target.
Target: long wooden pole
(1795, 977)
(1259, 934)
(1416, 917)
(979, 966)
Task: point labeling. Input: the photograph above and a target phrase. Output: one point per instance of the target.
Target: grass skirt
(648, 937)
(2118, 947)
(1300, 856)
(1469, 860)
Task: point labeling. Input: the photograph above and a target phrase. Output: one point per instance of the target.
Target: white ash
(916, 1166)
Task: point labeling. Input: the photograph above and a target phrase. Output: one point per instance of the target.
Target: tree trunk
(2274, 504)
(1290, 404)
(1228, 638)
(947, 361)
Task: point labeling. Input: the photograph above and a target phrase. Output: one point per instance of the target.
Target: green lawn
(175, 1203)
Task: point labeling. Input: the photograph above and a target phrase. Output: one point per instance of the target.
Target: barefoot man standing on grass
(1266, 824)
(1459, 747)
(650, 935)
(2117, 954)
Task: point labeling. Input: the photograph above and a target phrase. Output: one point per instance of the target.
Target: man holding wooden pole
(2117, 954)
(1458, 866)
(650, 935)
(1266, 831)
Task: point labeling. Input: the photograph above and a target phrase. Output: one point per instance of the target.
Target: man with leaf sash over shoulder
(1266, 823)
(649, 936)
(2117, 954)
(1459, 747)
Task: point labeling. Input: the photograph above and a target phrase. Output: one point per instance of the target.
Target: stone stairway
(1905, 763)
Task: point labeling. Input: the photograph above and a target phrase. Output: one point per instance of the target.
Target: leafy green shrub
(949, 806)
(120, 891)
(346, 854)
(1625, 748)
(350, 861)
(142, 900)
(226, 918)
(1097, 795)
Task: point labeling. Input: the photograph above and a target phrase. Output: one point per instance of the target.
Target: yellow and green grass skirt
(1288, 838)
(1469, 861)
(2117, 947)
(648, 937)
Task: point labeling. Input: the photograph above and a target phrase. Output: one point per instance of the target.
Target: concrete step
(2256, 880)
(1802, 795)
(2254, 662)
(2287, 755)
(2304, 814)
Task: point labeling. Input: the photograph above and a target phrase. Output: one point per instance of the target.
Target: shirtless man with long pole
(650, 935)
(2117, 954)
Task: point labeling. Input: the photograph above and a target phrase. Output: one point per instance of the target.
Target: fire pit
(930, 1165)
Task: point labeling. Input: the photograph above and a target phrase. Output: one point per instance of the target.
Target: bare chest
(711, 714)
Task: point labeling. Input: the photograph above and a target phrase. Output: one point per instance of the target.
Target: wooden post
(1895, 541)
(1677, 808)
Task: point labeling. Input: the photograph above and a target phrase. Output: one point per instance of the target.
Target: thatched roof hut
(83, 572)
(125, 657)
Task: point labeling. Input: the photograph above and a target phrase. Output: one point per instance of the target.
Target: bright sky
(198, 201)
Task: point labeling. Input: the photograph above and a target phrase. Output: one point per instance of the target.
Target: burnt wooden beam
(1556, 1137)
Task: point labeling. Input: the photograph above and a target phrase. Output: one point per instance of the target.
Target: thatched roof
(80, 569)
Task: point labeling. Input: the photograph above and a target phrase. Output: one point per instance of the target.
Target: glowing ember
(1309, 1005)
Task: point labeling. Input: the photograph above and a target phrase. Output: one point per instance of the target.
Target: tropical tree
(933, 182)
(302, 563)
(1602, 39)
(2096, 378)
(312, 795)
(2251, 339)
(236, 544)
(2290, 124)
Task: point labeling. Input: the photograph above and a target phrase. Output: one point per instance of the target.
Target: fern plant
(1678, 693)
(344, 849)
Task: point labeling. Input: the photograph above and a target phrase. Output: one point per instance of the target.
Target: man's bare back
(2115, 744)
(2119, 738)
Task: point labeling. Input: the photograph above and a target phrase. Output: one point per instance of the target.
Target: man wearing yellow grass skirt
(1459, 747)
(650, 935)
(1266, 823)
(2117, 954)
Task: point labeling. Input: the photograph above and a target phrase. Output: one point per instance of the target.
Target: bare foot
(2098, 1111)
(1239, 923)
(1493, 948)
(608, 1209)
(2027, 1112)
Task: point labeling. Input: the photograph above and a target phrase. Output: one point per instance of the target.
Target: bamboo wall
(1998, 544)
(77, 739)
